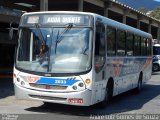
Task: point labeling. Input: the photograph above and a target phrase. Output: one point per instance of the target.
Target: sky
(157, 0)
(147, 4)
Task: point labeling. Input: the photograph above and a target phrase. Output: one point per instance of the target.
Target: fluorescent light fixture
(25, 4)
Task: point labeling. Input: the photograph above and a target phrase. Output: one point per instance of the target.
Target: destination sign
(63, 20)
(55, 19)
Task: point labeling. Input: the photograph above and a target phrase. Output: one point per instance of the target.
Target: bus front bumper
(80, 98)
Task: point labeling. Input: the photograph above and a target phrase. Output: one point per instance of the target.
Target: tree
(143, 10)
(156, 13)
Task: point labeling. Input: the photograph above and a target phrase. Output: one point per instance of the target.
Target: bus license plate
(75, 100)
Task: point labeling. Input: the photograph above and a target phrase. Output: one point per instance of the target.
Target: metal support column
(43, 5)
(80, 5)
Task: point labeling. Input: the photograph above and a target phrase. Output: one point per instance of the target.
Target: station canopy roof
(34, 5)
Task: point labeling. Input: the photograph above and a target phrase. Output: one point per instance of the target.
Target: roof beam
(96, 2)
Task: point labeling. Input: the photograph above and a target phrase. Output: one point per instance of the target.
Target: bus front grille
(48, 97)
(49, 87)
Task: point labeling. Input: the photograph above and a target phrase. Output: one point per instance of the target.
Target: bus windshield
(156, 50)
(54, 50)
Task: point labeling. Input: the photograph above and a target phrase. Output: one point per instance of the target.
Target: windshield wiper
(43, 48)
(39, 33)
(60, 36)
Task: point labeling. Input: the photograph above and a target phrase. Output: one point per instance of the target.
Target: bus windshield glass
(54, 50)
(156, 50)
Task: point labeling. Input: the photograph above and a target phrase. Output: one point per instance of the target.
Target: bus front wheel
(108, 94)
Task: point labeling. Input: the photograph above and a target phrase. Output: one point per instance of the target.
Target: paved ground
(147, 102)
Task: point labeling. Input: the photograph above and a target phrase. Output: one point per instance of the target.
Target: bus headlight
(78, 86)
(81, 84)
(22, 83)
(18, 80)
(74, 87)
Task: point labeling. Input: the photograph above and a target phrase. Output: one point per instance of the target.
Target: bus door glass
(99, 59)
(99, 47)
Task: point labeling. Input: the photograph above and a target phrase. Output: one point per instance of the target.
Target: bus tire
(139, 84)
(155, 67)
(108, 94)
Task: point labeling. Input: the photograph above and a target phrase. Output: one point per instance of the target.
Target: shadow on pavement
(6, 87)
(155, 73)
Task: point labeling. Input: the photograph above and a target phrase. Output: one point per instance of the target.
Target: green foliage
(156, 13)
(143, 10)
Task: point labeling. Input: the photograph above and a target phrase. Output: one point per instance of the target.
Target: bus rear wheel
(155, 67)
(139, 84)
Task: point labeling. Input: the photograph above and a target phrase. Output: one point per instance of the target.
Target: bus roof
(124, 27)
(65, 12)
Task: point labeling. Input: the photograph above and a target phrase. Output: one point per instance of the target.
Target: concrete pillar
(107, 5)
(105, 11)
(124, 19)
(139, 18)
(43, 5)
(80, 5)
(138, 24)
(125, 13)
(149, 27)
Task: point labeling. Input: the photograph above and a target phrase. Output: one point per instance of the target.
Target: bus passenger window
(137, 47)
(111, 40)
(121, 38)
(143, 47)
(129, 44)
(99, 47)
(149, 47)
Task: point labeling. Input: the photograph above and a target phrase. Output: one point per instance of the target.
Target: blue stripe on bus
(56, 81)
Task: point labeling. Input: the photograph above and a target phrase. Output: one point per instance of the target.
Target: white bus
(79, 58)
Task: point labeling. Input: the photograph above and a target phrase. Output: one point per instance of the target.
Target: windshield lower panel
(54, 50)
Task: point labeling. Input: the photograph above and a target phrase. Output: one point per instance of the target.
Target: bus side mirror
(10, 33)
(16, 38)
(13, 35)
